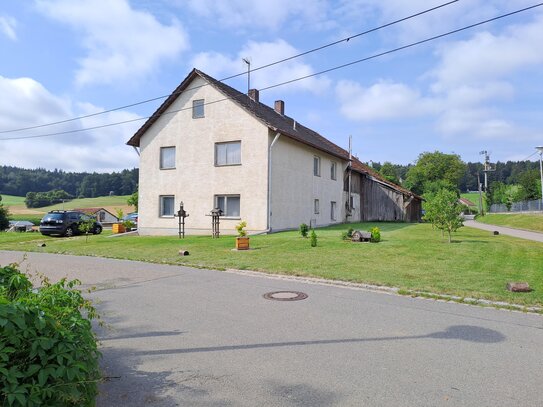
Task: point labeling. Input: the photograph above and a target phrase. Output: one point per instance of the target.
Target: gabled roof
(92, 211)
(276, 122)
(466, 202)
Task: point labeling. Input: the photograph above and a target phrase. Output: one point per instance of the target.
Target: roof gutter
(269, 229)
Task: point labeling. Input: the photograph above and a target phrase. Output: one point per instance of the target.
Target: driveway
(178, 336)
(522, 234)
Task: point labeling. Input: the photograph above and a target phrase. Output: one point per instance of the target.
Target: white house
(209, 145)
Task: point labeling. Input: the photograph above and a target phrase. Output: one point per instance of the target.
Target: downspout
(270, 181)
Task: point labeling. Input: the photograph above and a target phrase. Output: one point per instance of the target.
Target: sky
(479, 89)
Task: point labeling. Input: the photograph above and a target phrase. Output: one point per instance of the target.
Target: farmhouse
(101, 214)
(210, 146)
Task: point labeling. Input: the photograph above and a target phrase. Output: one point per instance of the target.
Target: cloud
(7, 27)
(470, 93)
(262, 53)
(381, 101)
(26, 103)
(122, 44)
(250, 14)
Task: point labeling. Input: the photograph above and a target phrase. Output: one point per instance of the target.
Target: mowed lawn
(17, 207)
(532, 222)
(410, 256)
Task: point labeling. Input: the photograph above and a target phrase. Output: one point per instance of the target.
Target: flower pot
(242, 243)
(118, 228)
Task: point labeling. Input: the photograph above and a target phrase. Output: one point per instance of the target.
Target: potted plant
(242, 241)
(119, 227)
(128, 225)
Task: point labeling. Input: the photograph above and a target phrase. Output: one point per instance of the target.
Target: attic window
(316, 166)
(198, 108)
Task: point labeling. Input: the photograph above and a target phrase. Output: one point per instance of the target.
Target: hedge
(48, 351)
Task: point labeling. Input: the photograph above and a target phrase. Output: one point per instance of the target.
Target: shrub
(239, 227)
(304, 229)
(375, 235)
(48, 352)
(313, 238)
(348, 234)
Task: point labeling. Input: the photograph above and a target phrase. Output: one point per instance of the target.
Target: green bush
(375, 235)
(348, 234)
(304, 229)
(48, 352)
(313, 238)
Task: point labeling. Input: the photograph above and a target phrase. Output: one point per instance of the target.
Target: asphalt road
(177, 336)
(522, 234)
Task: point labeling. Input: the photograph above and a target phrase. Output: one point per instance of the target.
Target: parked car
(132, 217)
(66, 223)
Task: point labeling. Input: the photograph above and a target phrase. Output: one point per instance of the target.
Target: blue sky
(481, 89)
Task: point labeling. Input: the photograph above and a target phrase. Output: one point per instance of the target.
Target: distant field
(525, 221)
(17, 207)
(9, 200)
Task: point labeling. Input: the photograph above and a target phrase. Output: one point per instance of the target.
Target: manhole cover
(285, 296)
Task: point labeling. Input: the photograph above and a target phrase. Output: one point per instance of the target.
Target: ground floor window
(333, 210)
(166, 205)
(316, 206)
(228, 204)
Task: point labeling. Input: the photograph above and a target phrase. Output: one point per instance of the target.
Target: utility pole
(350, 174)
(481, 209)
(540, 149)
(486, 167)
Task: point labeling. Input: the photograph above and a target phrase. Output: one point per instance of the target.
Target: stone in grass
(41, 244)
(496, 233)
(518, 287)
(183, 252)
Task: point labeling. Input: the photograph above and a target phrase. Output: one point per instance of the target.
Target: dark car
(66, 223)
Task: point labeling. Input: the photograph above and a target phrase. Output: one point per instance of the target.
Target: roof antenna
(248, 62)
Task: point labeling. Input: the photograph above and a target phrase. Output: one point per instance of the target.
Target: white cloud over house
(262, 53)
(121, 43)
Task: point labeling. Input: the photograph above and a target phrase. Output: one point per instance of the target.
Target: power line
(292, 80)
(346, 39)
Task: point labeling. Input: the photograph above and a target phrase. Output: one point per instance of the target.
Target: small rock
(496, 233)
(518, 287)
(183, 252)
(41, 244)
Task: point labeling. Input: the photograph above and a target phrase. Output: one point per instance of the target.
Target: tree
(4, 216)
(133, 200)
(432, 167)
(443, 210)
(389, 172)
(529, 183)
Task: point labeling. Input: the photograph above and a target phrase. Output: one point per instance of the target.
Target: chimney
(253, 94)
(280, 107)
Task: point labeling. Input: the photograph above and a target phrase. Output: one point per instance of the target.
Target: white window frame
(333, 171)
(316, 166)
(227, 196)
(333, 207)
(316, 206)
(161, 158)
(198, 108)
(161, 206)
(227, 143)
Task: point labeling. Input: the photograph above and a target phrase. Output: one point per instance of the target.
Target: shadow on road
(457, 332)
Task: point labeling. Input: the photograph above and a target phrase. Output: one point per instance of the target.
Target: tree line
(20, 181)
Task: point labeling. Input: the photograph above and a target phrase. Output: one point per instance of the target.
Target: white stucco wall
(294, 187)
(196, 179)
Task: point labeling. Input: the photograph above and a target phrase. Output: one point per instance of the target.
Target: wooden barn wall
(355, 182)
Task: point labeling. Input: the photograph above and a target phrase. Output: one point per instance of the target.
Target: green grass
(35, 219)
(410, 257)
(532, 222)
(99, 202)
(10, 200)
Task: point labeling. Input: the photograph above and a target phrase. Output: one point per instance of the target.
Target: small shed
(465, 202)
(101, 214)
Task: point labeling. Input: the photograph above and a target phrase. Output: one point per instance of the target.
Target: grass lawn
(410, 256)
(525, 221)
(17, 207)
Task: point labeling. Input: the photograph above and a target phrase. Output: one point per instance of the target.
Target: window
(333, 171)
(228, 153)
(229, 204)
(352, 202)
(167, 158)
(333, 210)
(317, 166)
(198, 108)
(316, 206)
(166, 205)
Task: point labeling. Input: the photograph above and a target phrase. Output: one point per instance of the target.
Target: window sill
(165, 169)
(231, 217)
(228, 165)
(166, 216)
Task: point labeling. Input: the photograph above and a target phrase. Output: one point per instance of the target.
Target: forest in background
(20, 181)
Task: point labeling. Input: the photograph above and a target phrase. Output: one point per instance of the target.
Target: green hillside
(10, 200)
